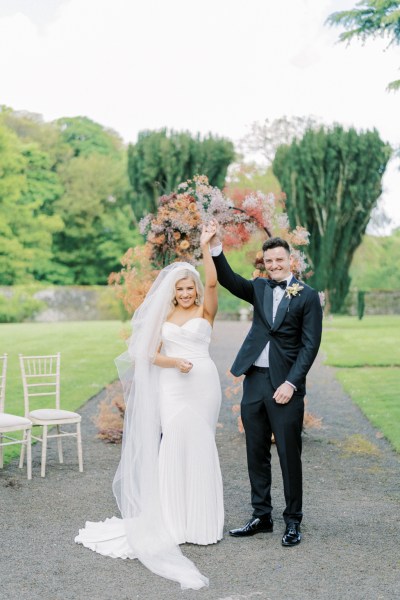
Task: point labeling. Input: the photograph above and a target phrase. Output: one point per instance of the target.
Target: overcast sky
(204, 66)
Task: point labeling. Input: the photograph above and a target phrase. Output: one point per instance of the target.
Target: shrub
(18, 304)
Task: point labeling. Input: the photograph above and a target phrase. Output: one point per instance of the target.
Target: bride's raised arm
(210, 305)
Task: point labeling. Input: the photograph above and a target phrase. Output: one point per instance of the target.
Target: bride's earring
(197, 301)
(175, 302)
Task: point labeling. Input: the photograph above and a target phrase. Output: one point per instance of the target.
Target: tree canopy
(64, 200)
(332, 179)
(372, 18)
(160, 160)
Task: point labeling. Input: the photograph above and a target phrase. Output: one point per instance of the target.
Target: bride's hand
(184, 366)
(209, 230)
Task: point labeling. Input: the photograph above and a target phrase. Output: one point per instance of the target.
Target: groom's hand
(283, 393)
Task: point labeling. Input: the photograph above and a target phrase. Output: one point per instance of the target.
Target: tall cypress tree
(160, 160)
(332, 179)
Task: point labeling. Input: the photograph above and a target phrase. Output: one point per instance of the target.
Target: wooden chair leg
(1, 451)
(22, 452)
(29, 453)
(79, 444)
(44, 450)
(59, 444)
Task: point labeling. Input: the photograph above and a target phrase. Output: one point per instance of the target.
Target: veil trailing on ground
(136, 482)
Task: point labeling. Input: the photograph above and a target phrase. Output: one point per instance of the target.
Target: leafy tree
(26, 184)
(160, 160)
(30, 127)
(12, 182)
(373, 18)
(98, 220)
(87, 137)
(43, 188)
(332, 179)
(64, 199)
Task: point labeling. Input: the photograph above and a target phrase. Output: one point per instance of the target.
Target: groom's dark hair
(276, 242)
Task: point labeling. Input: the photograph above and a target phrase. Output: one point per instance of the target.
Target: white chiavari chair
(12, 423)
(41, 383)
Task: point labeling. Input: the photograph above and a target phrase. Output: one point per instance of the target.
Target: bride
(168, 484)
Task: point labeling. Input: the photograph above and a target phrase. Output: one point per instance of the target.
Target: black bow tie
(273, 284)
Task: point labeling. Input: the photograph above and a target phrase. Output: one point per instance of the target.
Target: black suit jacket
(294, 335)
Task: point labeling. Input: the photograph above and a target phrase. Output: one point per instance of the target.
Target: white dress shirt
(278, 293)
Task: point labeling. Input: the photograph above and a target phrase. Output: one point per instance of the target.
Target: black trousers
(261, 417)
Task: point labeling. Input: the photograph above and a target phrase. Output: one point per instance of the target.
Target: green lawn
(367, 356)
(88, 349)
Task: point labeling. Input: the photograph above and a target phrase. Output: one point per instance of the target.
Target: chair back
(40, 379)
(3, 371)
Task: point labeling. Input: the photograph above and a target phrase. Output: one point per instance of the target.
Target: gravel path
(350, 547)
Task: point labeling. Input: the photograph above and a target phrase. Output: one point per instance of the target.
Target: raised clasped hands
(184, 366)
(209, 230)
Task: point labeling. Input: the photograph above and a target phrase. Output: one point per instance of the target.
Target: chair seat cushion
(52, 414)
(7, 420)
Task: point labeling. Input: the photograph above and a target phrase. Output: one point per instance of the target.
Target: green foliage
(99, 223)
(374, 261)
(160, 160)
(19, 306)
(37, 222)
(12, 177)
(85, 137)
(373, 18)
(65, 209)
(26, 185)
(332, 179)
(95, 206)
(30, 127)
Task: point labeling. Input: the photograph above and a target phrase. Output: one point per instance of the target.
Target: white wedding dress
(190, 483)
(190, 475)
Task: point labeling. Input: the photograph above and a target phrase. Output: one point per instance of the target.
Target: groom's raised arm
(234, 283)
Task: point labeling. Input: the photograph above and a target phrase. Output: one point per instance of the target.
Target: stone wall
(377, 302)
(80, 303)
(70, 303)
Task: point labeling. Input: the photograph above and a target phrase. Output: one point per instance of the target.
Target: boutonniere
(293, 290)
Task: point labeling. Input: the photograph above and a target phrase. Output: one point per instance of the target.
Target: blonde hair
(194, 276)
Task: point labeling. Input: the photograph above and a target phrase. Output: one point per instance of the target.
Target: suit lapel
(282, 308)
(268, 300)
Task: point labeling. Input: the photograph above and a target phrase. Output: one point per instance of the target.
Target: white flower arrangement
(293, 290)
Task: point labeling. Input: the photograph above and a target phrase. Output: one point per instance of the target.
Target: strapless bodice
(190, 340)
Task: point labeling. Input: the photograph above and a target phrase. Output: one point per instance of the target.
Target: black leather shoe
(292, 535)
(255, 525)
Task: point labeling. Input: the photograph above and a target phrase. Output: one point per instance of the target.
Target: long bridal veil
(136, 482)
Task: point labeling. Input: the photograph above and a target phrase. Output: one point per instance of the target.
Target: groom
(275, 357)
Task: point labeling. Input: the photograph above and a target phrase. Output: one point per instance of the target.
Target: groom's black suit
(294, 336)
